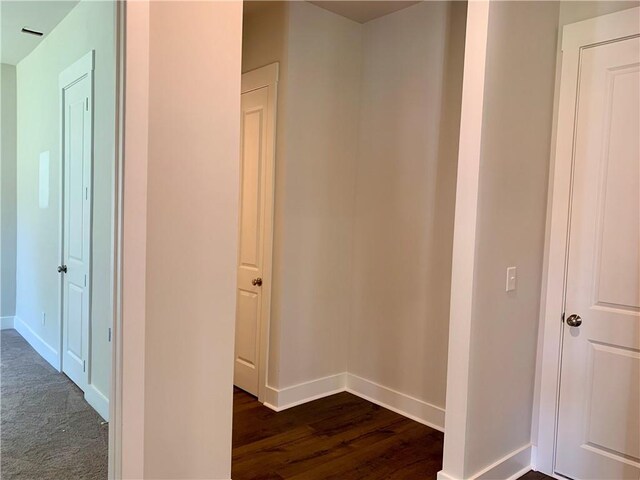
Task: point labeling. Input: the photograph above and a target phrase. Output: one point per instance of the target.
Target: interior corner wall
(90, 25)
(405, 198)
(191, 237)
(366, 154)
(8, 192)
(511, 210)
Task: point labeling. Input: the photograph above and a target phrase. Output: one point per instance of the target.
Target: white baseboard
(410, 407)
(442, 475)
(510, 467)
(98, 401)
(281, 399)
(45, 350)
(6, 322)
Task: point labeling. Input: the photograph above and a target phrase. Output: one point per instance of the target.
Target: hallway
(48, 431)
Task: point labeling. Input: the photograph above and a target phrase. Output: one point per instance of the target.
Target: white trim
(401, 403)
(284, 398)
(260, 77)
(79, 69)
(45, 350)
(464, 237)
(406, 405)
(6, 323)
(97, 400)
(510, 467)
(445, 476)
(266, 77)
(115, 405)
(574, 37)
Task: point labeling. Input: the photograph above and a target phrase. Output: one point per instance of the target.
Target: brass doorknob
(574, 320)
(256, 282)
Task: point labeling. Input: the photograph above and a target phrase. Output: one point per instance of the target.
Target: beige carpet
(48, 431)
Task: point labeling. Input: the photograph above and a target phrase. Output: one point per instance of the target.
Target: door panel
(77, 152)
(253, 156)
(598, 423)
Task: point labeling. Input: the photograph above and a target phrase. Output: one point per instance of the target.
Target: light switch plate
(512, 274)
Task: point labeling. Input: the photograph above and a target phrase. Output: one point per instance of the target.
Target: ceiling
(363, 11)
(41, 16)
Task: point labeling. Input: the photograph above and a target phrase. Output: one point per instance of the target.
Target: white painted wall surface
(191, 237)
(314, 234)
(405, 197)
(90, 25)
(8, 191)
(516, 134)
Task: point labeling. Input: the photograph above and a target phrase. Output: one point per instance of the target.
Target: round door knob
(256, 282)
(574, 320)
(62, 268)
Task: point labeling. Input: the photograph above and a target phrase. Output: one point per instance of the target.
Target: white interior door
(77, 163)
(599, 409)
(257, 135)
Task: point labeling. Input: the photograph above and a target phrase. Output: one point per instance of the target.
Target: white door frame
(266, 76)
(575, 37)
(81, 68)
(117, 398)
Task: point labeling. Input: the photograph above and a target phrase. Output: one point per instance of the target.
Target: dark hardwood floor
(341, 437)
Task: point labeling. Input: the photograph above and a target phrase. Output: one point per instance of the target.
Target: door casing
(79, 69)
(575, 36)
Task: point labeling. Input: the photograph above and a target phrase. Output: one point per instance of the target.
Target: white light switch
(512, 274)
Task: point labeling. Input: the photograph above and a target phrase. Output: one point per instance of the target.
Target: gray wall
(90, 25)
(8, 192)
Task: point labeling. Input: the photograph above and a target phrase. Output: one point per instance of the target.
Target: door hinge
(86, 193)
(86, 102)
(109, 333)
(84, 365)
(85, 280)
(562, 317)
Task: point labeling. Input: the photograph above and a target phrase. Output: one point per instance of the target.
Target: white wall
(191, 236)
(90, 25)
(8, 192)
(314, 233)
(405, 196)
(495, 372)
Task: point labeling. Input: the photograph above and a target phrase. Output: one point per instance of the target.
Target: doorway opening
(344, 335)
(60, 130)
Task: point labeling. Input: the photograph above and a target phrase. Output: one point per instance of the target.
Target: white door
(77, 162)
(256, 218)
(599, 409)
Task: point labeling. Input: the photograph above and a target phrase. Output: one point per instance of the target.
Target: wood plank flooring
(341, 437)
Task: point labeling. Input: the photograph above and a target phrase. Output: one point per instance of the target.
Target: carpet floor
(47, 430)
